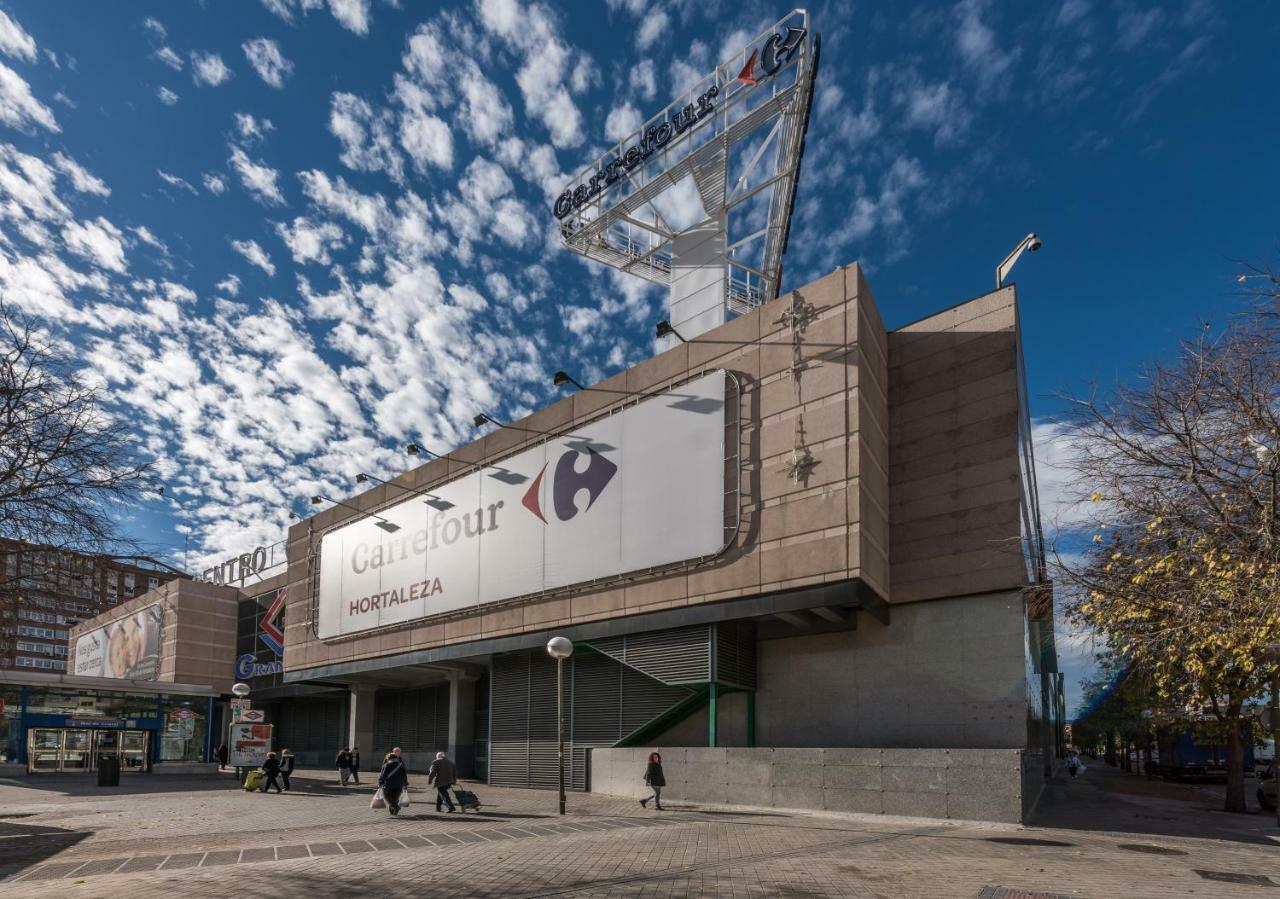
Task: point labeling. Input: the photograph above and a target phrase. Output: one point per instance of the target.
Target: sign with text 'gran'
(639, 489)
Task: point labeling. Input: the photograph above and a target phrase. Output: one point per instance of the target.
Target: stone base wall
(968, 784)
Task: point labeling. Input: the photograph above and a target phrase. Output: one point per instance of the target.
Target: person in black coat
(355, 764)
(271, 770)
(343, 764)
(287, 764)
(654, 778)
(223, 754)
(393, 779)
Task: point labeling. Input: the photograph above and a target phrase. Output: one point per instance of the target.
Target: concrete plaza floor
(1104, 835)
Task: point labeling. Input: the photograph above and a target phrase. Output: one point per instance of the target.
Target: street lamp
(1030, 242)
(664, 329)
(560, 648)
(561, 378)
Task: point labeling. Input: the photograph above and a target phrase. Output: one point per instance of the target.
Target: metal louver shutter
(735, 654)
(508, 720)
(679, 656)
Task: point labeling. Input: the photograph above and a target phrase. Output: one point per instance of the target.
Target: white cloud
(213, 183)
(157, 29)
(310, 241)
(167, 97)
(651, 28)
(366, 135)
(1135, 26)
(208, 68)
(81, 179)
(169, 58)
(251, 128)
(426, 139)
(622, 121)
(353, 15)
(98, 240)
(14, 41)
(257, 177)
(230, 285)
(976, 41)
(175, 181)
(18, 108)
(254, 254)
(937, 108)
(547, 59)
(641, 77)
(369, 212)
(146, 235)
(265, 57)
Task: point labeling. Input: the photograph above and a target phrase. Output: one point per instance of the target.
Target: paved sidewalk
(1099, 836)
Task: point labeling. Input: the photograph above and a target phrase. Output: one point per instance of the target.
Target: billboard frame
(732, 524)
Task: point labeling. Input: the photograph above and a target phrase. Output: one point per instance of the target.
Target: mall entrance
(71, 750)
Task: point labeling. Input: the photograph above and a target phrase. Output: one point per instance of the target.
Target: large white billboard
(128, 647)
(639, 489)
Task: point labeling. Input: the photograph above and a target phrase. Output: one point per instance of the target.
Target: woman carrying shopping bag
(393, 784)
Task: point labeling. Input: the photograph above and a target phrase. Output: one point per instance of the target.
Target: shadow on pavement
(1106, 799)
(24, 845)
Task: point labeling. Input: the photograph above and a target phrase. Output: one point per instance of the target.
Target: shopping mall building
(798, 554)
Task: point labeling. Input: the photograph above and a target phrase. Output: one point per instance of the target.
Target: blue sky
(296, 234)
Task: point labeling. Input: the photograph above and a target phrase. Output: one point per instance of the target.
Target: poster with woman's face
(127, 648)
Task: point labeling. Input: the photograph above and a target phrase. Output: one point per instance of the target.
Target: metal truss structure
(700, 197)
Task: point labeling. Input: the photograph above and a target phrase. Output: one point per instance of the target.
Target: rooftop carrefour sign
(763, 62)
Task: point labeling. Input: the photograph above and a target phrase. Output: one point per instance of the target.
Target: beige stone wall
(832, 525)
(198, 642)
(953, 438)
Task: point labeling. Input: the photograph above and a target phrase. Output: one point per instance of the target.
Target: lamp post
(560, 648)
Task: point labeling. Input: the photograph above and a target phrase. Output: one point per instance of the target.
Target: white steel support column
(360, 725)
(698, 273)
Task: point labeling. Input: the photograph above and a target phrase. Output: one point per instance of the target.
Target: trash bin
(108, 772)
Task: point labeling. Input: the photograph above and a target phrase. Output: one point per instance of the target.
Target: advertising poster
(249, 744)
(126, 648)
(639, 489)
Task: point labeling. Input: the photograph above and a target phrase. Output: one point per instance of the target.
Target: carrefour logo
(566, 482)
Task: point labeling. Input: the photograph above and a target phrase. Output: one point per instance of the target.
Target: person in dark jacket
(271, 769)
(223, 755)
(355, 764)
(343, 764)
(287, 764)
(393, 779)
(444, 775)
(654, 778)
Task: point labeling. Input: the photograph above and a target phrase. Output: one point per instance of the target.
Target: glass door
(133, 750)
(44, 749)
(76, 754)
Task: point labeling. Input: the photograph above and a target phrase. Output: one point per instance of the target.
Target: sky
(289, 237)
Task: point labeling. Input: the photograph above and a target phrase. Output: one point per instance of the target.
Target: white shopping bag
(404, 798)
(379, 801)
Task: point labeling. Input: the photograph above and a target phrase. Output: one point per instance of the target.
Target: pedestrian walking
(444, 775)
(343, 764)
(393, 780)
(271, 770)
(286, 767)
(355, 764)
(1074, 765)
(223, 755)
(654, 778)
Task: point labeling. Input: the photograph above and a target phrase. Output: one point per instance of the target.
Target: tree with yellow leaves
(1183, 575)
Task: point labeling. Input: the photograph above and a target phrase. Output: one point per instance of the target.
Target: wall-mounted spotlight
(388, 526)
(561, 378)
(436, 502)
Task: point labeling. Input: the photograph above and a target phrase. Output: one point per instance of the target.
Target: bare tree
(1184, 574)
(66, 464)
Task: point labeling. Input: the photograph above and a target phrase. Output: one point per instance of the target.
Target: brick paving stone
(101, 866)
(325, 848)
(288, 852)
(264, 854)
(386, 843)
(224, 857)
(187, 860)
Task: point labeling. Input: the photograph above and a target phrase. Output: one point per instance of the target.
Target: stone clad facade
(875, 584)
